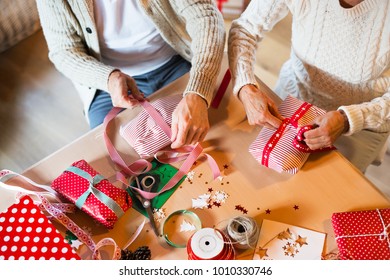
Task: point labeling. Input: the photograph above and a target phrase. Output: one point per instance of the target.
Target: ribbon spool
(243, 231)
(172, 233)
(210, 244)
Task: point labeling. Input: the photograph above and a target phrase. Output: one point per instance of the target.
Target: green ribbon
(106, 200)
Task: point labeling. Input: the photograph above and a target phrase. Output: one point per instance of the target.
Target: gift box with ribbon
(363, 235)
(27, 234)
(284, 149)
(148, 132)
(92, 193)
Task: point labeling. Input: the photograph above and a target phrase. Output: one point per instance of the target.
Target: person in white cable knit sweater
(112, 48)
(340, 61)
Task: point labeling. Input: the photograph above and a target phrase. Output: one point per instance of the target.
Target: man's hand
(190, 122)
(119, 87)
(330, 127)
(260, 109)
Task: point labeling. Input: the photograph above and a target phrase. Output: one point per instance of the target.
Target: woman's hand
(123, 90)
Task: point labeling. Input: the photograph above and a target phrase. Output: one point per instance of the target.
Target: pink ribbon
(57, 211)
(189, 154)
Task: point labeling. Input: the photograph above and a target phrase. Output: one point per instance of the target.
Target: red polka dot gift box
(27, 234)
(92, 193)
(363, 235)
(284, 149)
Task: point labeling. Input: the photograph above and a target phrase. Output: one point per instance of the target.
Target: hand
(119, 86)
(330, 127)
(190, 122)
(260, 109)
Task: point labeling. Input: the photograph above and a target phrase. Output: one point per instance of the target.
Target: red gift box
(276, 148)
(93, 194)
(27, 234)
(363, 235)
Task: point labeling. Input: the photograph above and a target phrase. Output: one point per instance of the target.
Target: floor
(40, 111)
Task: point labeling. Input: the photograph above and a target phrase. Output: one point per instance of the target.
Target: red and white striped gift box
(144, 134)
(274, 148)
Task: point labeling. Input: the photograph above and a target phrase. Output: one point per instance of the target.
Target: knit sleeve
(205, 26)
(373, 115)
(246, 32)
(67, 45)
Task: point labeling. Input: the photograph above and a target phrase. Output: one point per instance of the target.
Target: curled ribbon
(384, 235)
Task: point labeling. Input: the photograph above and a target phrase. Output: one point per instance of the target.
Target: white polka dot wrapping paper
(27, 234)
(274, 148)
(92, 193)
(363, 235)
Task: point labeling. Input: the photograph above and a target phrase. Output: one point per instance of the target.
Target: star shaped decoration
(296, 207)
(262, 252)
(218, 204)
(285, 235)
(225, 166)
(301, 240)
(210, 189)
(76, 244)
(267, 211)
(245, 211)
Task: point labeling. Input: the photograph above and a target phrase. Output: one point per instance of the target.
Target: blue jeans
(147, 83)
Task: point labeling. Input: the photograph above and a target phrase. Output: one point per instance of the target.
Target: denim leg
(100, 107)
(175, 68)
(147, 83)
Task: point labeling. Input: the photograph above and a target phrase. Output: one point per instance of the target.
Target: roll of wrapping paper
(210, 244)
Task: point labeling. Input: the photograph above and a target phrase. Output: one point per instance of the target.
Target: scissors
(146, 185)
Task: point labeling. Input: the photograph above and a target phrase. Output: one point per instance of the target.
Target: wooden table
(327, 183)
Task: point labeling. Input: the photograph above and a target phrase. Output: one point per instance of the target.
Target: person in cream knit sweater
(340, 62)
(117, 52)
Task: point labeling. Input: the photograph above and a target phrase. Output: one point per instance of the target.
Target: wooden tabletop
(326, 184)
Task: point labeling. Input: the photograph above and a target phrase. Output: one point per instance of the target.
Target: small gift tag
(27, 234)
(92, 193)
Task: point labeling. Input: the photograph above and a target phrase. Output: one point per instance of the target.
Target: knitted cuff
(355, 119)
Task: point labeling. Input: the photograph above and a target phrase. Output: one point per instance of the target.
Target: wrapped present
(148, 133)
(92, 193)
(283, 149)
(27, 234)
(363, 235)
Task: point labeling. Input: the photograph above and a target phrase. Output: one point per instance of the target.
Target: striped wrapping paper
(144, 134)
(283, 156)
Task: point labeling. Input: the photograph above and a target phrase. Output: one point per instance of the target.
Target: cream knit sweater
(340, 58)
(194, 28)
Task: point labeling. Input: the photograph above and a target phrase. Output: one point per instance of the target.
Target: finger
(132, 86)
(273, 121)
(180, 138)
(198, 136)
(191, 136)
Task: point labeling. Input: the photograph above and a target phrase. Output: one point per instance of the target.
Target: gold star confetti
(285, 234)
(301, 240)
(262, 252)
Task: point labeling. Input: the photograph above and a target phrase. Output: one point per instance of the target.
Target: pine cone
(126, 254)
(142, 253)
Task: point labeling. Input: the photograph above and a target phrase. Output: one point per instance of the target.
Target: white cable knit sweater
(194, 28)
(340, 58)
